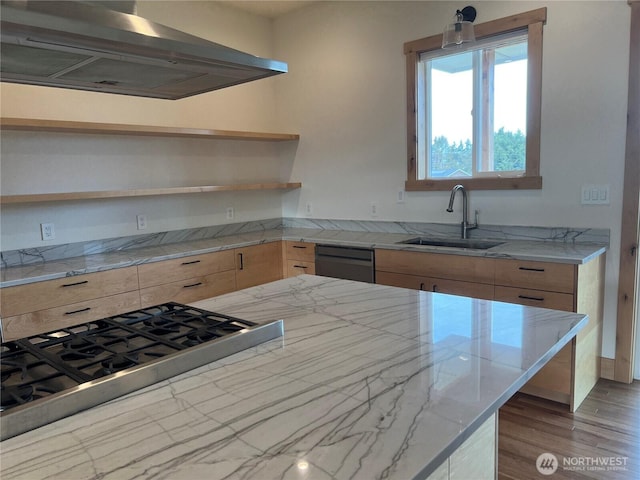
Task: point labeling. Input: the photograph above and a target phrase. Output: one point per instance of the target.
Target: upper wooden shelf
(141, 192)
(62, 126)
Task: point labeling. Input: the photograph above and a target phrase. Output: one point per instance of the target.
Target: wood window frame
(533, 21)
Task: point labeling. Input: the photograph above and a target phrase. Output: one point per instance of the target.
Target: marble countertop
(368, 382)
(548, 251)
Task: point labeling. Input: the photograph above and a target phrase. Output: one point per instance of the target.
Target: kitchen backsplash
(503, 232)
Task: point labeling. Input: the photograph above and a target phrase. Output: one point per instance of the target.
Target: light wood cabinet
(452, 274)
(64, 291)
(437, 285)
(551, 277)
(187, 279)
(41, 321)
(573, 371)
(299, 258)
(258, 264)
(44, 306)
(477, 457)
(167, 271)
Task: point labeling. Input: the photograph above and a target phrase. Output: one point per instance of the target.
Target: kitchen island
(369, 381)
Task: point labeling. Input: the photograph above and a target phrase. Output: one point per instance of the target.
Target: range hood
(86, 46)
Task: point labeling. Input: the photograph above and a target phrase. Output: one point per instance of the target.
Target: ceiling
(268, 8)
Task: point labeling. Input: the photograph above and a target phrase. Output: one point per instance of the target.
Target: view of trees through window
(474, 116)
(455, 158)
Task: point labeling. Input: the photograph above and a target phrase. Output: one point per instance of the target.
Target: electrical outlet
(142, 222)
(230, 213)
(47, 231)
(308, 209)
(374, 209)
(400, 197)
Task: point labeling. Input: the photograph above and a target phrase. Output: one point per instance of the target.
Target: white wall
(345, 94)
(58, 163)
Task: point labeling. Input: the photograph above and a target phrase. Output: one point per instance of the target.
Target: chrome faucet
(465, 225)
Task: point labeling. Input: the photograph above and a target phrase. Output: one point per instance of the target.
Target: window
(475, 112)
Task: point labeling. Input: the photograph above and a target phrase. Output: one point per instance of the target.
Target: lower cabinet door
(436, 285)
(43, 321)
(258, 264)
(189, 290)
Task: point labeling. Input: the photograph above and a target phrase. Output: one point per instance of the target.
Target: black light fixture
(461, 30)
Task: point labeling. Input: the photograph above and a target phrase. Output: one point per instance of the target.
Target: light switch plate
(595, 195)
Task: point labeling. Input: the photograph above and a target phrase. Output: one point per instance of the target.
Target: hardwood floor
(605, 427)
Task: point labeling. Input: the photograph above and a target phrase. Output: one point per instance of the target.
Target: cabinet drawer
(189, 290)
(169, 271)
(43, 321)
(298, 267)
(554, 277)
(303, 251)
(454, 267)
(535, 298)
(64, 291)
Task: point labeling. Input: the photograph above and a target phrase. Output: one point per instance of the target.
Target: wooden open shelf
(62, 126)
(141, 192)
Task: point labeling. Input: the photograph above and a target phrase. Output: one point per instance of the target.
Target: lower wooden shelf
(142, 192)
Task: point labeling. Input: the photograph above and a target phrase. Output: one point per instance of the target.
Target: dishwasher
(349, 263)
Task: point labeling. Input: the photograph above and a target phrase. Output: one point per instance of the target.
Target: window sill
(512, 183)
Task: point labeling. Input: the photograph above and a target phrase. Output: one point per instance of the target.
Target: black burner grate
(41, 365)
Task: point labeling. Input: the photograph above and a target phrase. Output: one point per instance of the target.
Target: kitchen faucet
(465, 225)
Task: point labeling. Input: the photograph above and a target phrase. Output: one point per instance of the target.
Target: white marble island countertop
(368, 382)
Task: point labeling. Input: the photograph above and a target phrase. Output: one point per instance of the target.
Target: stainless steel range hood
(82, 46)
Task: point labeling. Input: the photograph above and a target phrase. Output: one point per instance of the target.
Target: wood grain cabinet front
(258, 264)
(299, 258)
(573, 371)
(45, 306)
(571, 374)
(452, 274)
(187, 279)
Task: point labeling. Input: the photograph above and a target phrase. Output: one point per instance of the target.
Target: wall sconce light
(461, 31)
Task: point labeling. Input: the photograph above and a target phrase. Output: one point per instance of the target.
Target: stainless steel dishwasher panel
(348, 263)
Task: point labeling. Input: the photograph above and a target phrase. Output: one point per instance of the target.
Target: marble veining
(549, 251)
(369, 382)
(119, 244)
(499, 232)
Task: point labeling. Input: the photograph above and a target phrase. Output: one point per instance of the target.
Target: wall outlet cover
(47, 230)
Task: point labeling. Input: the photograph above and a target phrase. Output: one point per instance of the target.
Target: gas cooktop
(50, 376)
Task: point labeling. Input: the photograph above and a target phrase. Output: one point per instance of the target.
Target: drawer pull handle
(191, 263)
(435, 288)
(531, 269)
(526, 297)
(300, 266)
(422, 286)
(192, 285)
(240, 256)
(298, 246)
(78, 311)
(74, 284)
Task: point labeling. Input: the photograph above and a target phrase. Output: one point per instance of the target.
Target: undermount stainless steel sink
(455, 243)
